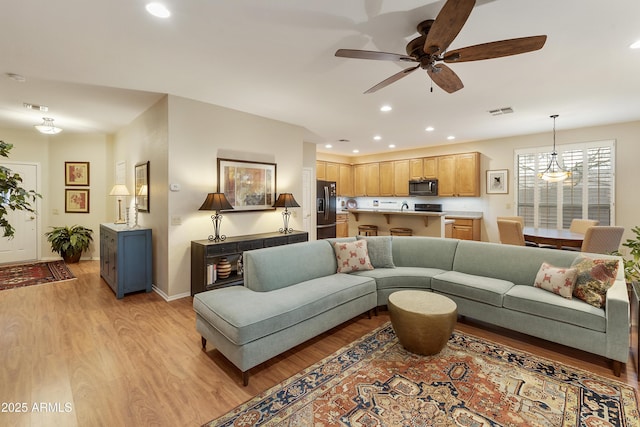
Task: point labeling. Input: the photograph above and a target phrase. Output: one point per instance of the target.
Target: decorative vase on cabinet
(125, 258)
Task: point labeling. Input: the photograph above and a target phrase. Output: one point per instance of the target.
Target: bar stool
(400, 231)
(368, 230)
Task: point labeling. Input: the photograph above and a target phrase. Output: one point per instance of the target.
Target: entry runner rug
(472, 382)
(16, 276)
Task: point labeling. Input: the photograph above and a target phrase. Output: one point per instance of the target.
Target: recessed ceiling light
(450, 137)
(377, 137)
(328, 146)
(356, 151)
(635, 45)
(429, 129)
(386, 108)
(158, 10)
(392, 145)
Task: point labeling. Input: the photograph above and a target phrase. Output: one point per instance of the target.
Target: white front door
(24, 245)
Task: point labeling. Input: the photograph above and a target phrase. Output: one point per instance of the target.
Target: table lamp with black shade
(286, 200)
(216, 202)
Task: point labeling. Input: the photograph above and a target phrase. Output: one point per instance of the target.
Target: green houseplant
(12, 196)
(632, 266)
(70, 242)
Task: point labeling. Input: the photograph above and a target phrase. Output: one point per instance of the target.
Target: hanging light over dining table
(554, 172)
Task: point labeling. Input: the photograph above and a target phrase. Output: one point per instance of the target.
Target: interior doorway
(24, 245)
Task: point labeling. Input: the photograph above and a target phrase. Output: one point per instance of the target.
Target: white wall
(199, 133)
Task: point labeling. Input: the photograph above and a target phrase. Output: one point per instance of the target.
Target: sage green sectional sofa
(293, 293)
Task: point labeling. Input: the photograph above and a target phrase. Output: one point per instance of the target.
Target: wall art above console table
(208, 258)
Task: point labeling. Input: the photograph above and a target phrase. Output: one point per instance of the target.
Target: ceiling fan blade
(386, 82)
(369, 54)
(444, 77)
(447, 25)
(496, 49)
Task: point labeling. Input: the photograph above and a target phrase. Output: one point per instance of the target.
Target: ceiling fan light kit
(430, 48)
(554, 172)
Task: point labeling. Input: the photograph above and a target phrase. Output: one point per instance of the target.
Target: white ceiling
(97, 65)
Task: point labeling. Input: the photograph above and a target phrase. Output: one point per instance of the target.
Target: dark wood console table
(205, 254)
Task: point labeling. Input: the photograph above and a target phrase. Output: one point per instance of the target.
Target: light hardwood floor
(74, 355)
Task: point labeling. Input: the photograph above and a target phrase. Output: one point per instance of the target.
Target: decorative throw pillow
(595, 277)
(557, 280)
(379, 248)
(352, 256)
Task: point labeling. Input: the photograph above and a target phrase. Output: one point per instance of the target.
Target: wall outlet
(176, 220)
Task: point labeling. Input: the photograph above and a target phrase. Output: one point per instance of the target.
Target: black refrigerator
(326, 210)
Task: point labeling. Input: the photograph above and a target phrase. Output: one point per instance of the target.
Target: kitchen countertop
(396, 212)
(463, 215)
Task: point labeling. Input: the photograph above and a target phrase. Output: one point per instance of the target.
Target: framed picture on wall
(497, 181)
(142, 186)
(76, 173)
(76, 200)
(249, 186)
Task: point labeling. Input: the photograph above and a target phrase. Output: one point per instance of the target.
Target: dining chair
(510, 232)
(579, 225)
(602, 239)
(519, 219)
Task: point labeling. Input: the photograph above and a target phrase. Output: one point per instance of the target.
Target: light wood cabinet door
(321, 168)
(373, 179)
(467, 175)
(430, 167)
(342, 225)
(386, 178)
(415, 169)
(332, 172)
(447, 176)
(345, 186)
(458, 175)
(466, 229)
(401, 177)
(360, 180)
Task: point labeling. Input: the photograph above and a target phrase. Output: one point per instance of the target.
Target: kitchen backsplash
(448, 203)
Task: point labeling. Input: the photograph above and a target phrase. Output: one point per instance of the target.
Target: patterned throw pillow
(595, 277)
(352, 256)
(557, 280)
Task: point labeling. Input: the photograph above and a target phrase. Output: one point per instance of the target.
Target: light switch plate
(174, 187)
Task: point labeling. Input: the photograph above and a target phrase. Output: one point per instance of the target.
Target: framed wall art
(76, 200)
(76, 173)
(142, 186)
(497, 181)
(249, 186)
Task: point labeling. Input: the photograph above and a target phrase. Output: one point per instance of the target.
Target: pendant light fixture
(47, 127)
(554, 172)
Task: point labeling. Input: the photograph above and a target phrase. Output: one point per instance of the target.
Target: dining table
(553, 237)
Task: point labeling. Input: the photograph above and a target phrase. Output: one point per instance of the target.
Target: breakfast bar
(423, 223)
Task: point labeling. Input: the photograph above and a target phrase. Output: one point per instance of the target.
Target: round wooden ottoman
(423, 321)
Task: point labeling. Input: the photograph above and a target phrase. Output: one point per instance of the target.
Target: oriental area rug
(472, 382)
(20, 275)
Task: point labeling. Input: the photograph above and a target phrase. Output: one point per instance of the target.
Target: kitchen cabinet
(459, 175)
(205, 254)
(373, 179)
(360, 180)
(342, 225)
(125, 258)
(416, 169)
(401, 174)
(386, 179)
(321, 170)
(345, 182)
(332, 172)
(430, 167)
(466, 229)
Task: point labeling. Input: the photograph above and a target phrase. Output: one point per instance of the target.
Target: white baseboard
(167, 297)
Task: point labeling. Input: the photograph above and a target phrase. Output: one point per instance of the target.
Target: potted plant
(632, 266)
(70, 242)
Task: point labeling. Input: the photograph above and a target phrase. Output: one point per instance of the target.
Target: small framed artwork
(76, 200)
(142, 186)
(249, 186)
(76, 173)
(497, 181)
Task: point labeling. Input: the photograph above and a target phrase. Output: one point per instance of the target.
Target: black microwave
(423, 187)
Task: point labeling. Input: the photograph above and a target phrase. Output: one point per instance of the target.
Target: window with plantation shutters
(587, 193)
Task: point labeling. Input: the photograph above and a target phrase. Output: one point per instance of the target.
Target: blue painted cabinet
(125, 258)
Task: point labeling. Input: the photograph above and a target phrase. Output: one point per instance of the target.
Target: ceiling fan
(431, 48)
